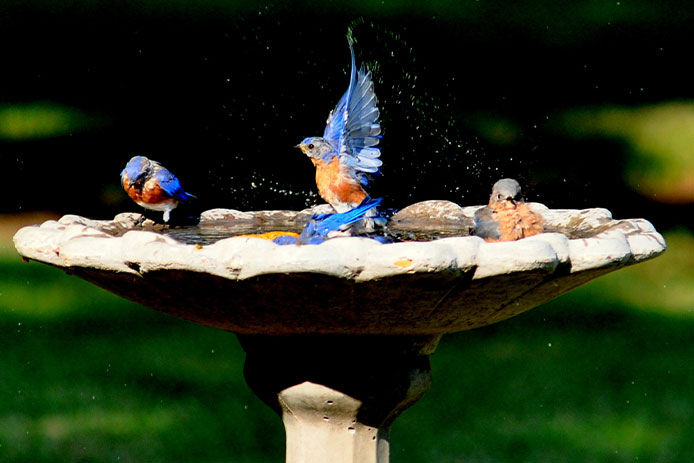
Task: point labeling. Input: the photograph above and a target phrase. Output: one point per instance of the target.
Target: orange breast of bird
(518, 223)
(152, 193)
(531, 222)
(132, 191)
(335, 186)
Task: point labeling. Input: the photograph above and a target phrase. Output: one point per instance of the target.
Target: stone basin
(338, 335)
(346, 285)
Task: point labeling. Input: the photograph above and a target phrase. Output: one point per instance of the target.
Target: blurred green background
(601, 374)
(588, 103)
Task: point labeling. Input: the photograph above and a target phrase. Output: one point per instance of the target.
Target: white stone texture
(405, 281)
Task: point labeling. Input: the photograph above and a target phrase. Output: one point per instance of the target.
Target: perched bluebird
(152, 186)
(346, 155)
(507, 217)
(324, 226)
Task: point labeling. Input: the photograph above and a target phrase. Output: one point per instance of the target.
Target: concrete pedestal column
(338, 395)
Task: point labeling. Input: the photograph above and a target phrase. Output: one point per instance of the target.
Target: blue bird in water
(347, 156)
(152, 186)
(324, 226)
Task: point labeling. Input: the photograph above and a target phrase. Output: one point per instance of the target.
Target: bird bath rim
(350, 286)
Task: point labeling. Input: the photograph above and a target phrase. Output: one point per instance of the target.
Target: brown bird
(507, 217)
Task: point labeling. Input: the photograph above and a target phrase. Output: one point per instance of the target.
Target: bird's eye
(311, 146)
(499, 197)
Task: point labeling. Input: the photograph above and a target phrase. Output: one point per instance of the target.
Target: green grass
(659, 138)
(102, 379)
(559, 384)
(590, 377)
(41, 120)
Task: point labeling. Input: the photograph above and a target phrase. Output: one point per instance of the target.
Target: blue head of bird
(316, 148)
(138, 169)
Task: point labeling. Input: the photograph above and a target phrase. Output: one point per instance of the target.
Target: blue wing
(485, 225)
(325, 223)
(285, 240)
(353, 127)
(171, 185)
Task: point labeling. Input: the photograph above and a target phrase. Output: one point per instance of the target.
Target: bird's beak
(301, 146)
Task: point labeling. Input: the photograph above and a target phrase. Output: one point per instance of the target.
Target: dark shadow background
(220, 93)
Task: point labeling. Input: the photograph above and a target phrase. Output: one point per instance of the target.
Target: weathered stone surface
(345, 285)
(574, 223)
(432, 217)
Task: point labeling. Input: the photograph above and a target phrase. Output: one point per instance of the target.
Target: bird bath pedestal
(338, 336)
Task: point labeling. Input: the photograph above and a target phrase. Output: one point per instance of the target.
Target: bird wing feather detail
(353, 128)
(485, 225)
(325, 223)
(171, 185)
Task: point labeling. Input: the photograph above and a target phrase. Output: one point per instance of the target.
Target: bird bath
(338, 336)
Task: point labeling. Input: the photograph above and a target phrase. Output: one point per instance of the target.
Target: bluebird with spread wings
(324, 226)
(346, 156)
(507, 217)
(152, 186)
